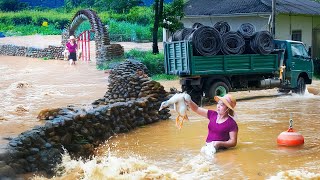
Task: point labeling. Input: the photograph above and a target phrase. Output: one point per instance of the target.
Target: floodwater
(160, 150)
(29, 85)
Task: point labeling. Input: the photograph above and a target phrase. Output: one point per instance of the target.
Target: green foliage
(110, 64)
(122, 6)
(158, 77)
(135, 26)
(172, 15)
(140, 15)
(12, 5)
(124, 31)
(23, 30)
(35, 17)
(154, 62)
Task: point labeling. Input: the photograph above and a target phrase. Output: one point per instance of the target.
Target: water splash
(295, 174)
(109, 167)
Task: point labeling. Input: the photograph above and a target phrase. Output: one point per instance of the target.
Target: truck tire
(218, 89)
(301, 86)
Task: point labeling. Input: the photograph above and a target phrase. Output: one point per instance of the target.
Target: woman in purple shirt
(222, 128)
(72, 48)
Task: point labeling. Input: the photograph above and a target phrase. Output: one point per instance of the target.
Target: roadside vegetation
(126, 21)
(134, 26)
(154, 63)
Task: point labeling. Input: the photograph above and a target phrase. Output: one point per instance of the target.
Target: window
(296, 35)
(299, 50)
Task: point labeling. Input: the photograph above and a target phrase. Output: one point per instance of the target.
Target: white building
(295, 19)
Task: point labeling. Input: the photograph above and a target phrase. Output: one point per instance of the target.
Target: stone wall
(52, 52)
(80, 130)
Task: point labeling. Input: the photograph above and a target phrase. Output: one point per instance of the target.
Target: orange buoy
(290, 137)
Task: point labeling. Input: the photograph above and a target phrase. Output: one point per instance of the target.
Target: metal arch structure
(104, 50)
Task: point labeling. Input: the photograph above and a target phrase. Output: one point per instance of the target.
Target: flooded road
(29, 85)
(160, 150)
(257, 156)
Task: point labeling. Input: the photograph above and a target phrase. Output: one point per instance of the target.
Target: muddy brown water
(160, 150)
(29, 85)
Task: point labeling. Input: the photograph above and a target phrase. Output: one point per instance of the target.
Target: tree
(168, 17)
(12, 5)
(158, 10)
(118, 6)
(172, 15)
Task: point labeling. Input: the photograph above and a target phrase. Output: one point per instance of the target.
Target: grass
(110, 64)
(158, 77)
(153, 62)
(52, 22)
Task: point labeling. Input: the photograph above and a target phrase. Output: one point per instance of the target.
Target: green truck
(289, 68)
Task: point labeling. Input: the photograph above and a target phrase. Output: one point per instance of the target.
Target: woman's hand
(216, 144)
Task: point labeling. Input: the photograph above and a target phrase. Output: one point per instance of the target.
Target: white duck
(179, 105)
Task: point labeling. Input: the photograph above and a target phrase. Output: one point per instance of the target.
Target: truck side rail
(179, 60)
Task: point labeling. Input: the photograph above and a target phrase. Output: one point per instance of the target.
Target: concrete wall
(316, 38)
(285, 24)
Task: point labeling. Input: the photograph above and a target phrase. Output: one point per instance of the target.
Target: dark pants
(73, 56)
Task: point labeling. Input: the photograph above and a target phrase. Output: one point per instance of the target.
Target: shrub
(12, 5)
(154, 62)
(164, 76)
(140, 15)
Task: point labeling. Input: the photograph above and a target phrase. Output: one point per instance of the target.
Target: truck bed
(179, 60)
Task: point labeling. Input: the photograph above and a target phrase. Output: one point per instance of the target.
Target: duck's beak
(162, 105)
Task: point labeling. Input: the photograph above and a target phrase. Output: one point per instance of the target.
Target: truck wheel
(218, 89)
(301, 87)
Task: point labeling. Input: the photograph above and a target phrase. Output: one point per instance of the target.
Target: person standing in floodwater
(222, 128)
(72, 48)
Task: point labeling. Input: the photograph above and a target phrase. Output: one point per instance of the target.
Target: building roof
(236, 7)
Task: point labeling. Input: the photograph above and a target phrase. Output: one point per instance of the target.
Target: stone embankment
(51, 52)
(132, 100)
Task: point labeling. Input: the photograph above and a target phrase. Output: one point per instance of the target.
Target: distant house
(295, 19)
(44, 3)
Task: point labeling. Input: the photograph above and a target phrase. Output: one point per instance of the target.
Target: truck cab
(298, 70)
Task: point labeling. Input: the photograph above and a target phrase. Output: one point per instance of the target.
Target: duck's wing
(176, 106)
(183, 109)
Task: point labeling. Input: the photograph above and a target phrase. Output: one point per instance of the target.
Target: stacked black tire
(219, 39)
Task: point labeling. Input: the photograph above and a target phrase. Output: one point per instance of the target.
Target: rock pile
(129, 81)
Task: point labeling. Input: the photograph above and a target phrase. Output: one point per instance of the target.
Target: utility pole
(273, 18)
